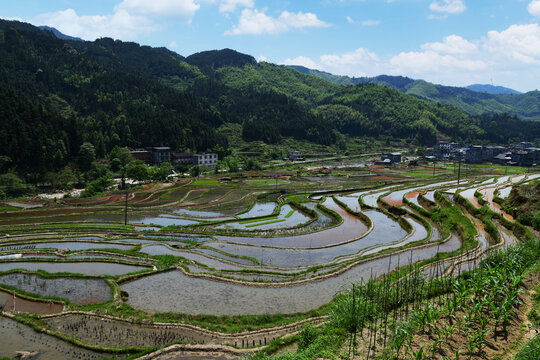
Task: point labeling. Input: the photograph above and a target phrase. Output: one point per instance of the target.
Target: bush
(308, 336)
(97, 186)
(11, 185)
(536, 221)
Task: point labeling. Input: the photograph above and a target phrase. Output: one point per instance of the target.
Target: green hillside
(526, 106)
(59, 94)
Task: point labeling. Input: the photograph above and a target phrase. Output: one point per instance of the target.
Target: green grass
(205, 182)
(265, 182)
(421, 175)
(8, 209)
(530, 351)
(84, 226)
(266, 223)
(289, 214)
(258, 220)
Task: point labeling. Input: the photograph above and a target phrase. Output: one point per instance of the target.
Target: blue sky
(451, 42)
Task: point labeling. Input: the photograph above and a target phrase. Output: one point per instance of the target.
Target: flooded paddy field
(79, 291)
(16, 304)
(249, 250)
(351, 228)
(82, 267)
(16, 337)
(182, 293)
(72, 246)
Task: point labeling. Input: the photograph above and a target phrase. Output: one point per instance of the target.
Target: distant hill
(526, 106)
(343, 80)
(58, 34)
(215, 59)
(114, 93)
(492, 89)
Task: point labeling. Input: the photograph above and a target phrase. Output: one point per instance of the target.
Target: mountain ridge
(524, 105)
(59, 34)
(115, 93)
(492, 89)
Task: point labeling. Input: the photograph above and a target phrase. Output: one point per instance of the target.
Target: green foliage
(138, 171)
(87, 154)
(536, 221)
(307, 336)
(97, 186)
(164, 170)
(107, 93)
(11, 186)
(470, 102)
(531, 351)
(61, 99)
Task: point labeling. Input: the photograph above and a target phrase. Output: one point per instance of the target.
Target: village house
(158, 155)
(208, 159)
(295, 155)
(390, 158)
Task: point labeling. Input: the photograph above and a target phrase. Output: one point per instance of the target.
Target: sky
(449, 42)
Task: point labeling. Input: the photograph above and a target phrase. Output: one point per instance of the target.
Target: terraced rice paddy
(223, 249)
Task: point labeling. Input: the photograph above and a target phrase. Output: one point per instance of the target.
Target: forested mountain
(492, 89)
(59, 34)
(109, 101)
(59, 94)
(479, 99)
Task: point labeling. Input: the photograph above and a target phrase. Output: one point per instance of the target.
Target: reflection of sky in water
(69, 245)
(174, 291)
(164, 221)
(385, 231)
(78, 291)
(88, 268)
(295, 219)
(211, 262)
(350, 228)
(505, 192)
(259, 209)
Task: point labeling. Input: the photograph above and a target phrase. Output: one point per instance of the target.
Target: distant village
(522, 154)
(158, 155)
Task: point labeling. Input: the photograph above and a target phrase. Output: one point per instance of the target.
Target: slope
(526, 106)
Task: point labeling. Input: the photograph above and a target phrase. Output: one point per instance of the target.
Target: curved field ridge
(236, 248)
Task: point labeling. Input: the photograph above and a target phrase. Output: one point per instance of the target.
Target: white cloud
(519, 42)
(301, 20)
(173, 44)
(231, 5)
(256, 22)
(452, 44)
(448, 6)
(433, 62)
(129, 20)
(371, 22)
(13, 19)
(349, 61)
(511, 57)
(120, 25)
(349, 19)
(262, 58)
(182, 10)
(534, 8)
(302, 61)
(354, 63)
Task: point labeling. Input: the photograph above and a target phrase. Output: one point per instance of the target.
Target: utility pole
(459, 170)
(126, 208)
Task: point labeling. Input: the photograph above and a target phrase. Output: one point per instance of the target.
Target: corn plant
(419, 354)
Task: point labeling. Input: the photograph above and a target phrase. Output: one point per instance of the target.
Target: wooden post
(126, 208)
